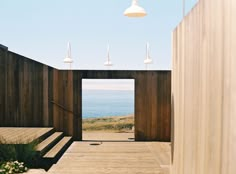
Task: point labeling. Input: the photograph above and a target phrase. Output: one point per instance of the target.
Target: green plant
(7, 152)
(12, 167)
(121, 126)
(18, 152)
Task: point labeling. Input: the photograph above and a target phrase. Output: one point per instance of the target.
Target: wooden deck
(114, 158)
(104, 157)
(106, 136)
(13, 135)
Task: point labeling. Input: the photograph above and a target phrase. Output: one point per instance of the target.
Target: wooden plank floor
(16, 135)
(114, 158)
(107, 136)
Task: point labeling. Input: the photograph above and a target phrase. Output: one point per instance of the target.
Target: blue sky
(41, 29)
(108, 84)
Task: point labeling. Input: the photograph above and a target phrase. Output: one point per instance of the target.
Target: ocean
(101, 103)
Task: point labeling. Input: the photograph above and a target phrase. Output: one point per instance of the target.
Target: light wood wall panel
(204, 90)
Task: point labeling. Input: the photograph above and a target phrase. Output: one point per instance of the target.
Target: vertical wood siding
(204, 90)
(35, 95)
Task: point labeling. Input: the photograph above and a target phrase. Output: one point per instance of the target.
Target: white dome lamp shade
(135, 10)
(108, 62)
(148, 60)
(68, 58)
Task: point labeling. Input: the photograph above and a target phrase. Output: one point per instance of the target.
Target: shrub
(12, 167)
(18, 152)
(121, 126)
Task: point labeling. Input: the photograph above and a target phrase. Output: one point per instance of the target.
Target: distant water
(100, 103)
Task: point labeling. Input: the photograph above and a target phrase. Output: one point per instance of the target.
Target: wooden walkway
(103, 157)
(13, 135)
(106, 136)
(114, 158)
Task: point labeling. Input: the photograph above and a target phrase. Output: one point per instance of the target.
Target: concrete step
(43, 147)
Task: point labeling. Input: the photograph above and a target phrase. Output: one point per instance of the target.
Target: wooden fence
(33, 94)
(204, 90)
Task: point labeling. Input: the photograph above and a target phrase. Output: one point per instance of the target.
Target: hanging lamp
(68, 58)
(148, 59)
(135, 10)
(108, 62)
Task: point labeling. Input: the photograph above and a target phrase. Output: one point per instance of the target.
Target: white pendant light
(135, 10)
(148, 59)
(108, 62)
(68, 58)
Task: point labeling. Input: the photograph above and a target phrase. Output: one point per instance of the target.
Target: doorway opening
(108, 109)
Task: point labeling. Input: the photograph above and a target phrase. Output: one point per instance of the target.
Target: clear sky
(41, 29)
(108, 84)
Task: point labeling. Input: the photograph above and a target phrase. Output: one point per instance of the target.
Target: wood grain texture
(20, 135)
(35, 95)
(152, 100)
(203, 90)
(114, 158)
(3, 55)
(24, 91)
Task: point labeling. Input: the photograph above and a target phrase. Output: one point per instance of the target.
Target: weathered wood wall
(33, 94)
(24, 91)
(204, 90)
(152, 101)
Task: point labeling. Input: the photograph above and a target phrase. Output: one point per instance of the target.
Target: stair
(59, 148)
(51, 148)
(48, 143)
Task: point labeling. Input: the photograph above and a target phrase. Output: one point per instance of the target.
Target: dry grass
(109, 124)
